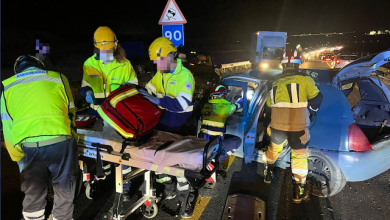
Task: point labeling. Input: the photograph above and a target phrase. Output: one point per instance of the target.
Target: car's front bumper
(360, 166)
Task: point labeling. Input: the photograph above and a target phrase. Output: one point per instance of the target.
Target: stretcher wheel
(151, 213)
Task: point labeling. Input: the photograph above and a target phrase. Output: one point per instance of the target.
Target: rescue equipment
(129, 113)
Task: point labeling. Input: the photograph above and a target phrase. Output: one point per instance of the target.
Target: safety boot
(188, 211)
(190, 206)
(300, 192)
(269, 173)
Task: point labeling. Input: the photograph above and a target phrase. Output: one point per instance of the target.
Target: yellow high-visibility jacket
(289, 99)
(36, 105)
(105, 78)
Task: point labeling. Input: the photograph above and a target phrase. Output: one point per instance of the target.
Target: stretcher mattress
(184, 152)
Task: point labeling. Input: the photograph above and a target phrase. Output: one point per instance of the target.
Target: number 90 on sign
(176, 35)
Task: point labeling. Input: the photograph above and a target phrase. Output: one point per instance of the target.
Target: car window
(234, 94)
(353, 58)
(348, 57)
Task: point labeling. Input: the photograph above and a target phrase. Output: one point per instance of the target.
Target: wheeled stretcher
(164, 152)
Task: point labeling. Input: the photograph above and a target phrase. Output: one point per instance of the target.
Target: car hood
(362, 67)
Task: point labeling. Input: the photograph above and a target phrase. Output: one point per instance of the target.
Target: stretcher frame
(196, 179)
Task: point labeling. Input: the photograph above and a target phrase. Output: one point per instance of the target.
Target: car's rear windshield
(348, 57)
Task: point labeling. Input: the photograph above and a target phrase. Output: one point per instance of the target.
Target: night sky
(212, 20)
(205, 17)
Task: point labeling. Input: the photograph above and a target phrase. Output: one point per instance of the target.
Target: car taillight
(338, 61)
(357, 140)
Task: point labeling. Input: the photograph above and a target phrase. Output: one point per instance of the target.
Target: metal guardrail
(232, 68)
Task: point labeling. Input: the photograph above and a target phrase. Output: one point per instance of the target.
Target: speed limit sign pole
(172, 21)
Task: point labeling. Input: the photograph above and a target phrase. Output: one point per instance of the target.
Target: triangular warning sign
(172, 14)
(120, 161)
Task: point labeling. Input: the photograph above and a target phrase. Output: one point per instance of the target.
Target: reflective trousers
(59, 161)
(299, 142)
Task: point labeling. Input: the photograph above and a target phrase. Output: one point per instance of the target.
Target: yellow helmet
(162, 46)
(104, 38)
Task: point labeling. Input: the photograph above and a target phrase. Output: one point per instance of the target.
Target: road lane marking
(202, 202)
(328, 65)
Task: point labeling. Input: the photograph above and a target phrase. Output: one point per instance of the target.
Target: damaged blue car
(350, 136)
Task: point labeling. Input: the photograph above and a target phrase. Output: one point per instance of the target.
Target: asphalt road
(358, 200)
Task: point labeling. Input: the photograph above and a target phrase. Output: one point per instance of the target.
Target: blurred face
(107, 55)
(164, 64)
(41, 48)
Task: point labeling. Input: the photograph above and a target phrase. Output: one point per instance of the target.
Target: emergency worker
(214, 115)
(293, 95)
(106, 70)
(172, 88)
(37, 112)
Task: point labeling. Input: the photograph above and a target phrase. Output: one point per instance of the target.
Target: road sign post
(172, 21)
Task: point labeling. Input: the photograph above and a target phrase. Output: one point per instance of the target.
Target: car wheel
(325, 177)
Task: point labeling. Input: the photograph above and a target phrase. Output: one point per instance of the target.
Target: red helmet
(218, 91)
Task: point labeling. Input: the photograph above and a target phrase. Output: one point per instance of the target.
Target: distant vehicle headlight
(264, 65)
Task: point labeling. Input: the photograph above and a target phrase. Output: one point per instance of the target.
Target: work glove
(143, 92)
(22, 163)
(149, 97)
(90, 98)
(153, 99)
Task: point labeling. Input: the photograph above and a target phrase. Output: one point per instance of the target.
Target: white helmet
(291, 59)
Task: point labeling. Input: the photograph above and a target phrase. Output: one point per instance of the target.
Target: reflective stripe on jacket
(105, 78)
(175, 91)
(35, 104)
(289, 98)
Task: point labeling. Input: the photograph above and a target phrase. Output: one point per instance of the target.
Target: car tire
(325, 177)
